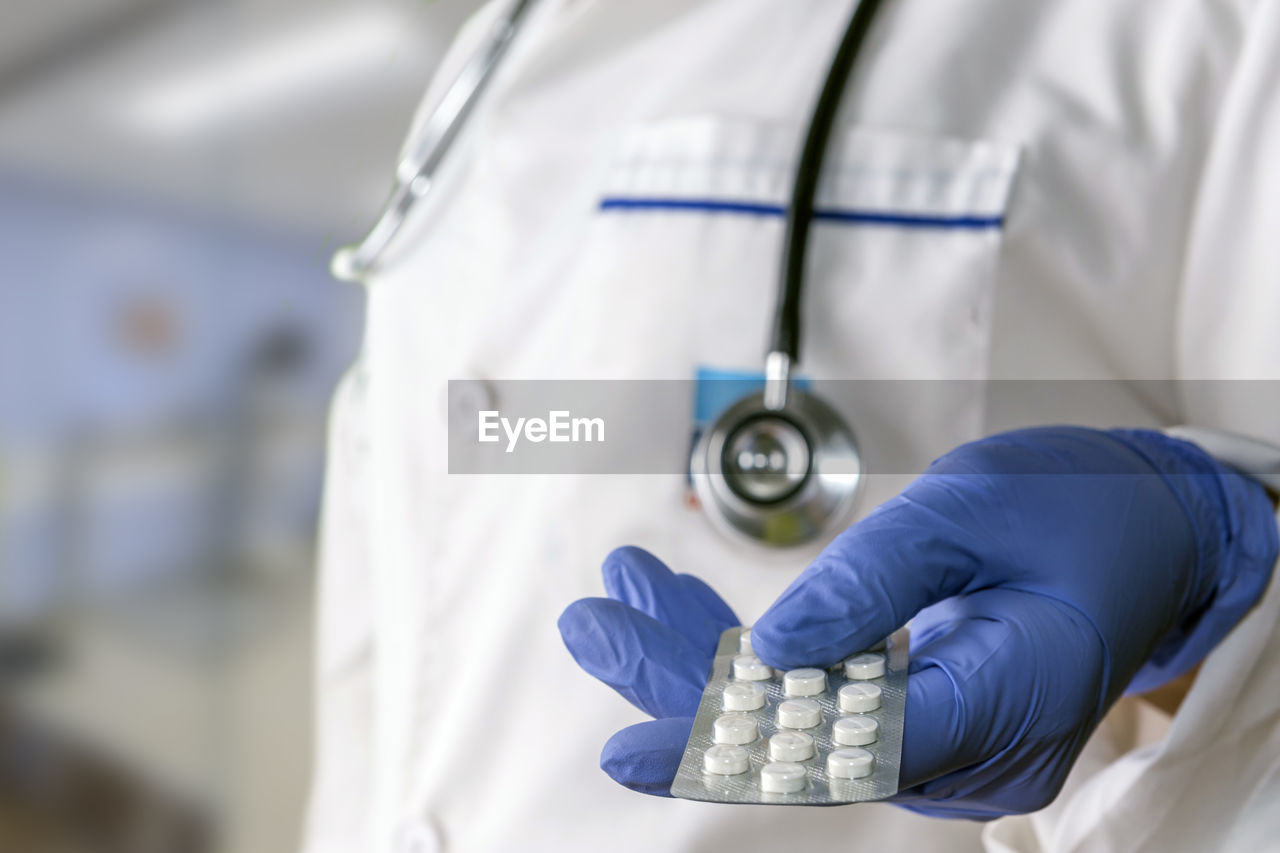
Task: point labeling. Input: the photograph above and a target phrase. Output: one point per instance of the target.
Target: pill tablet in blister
(790, 746)
(791, 728)
(852, 763)
(799, 714)
(782, 777)
(725, 760)
(864, 666)
(804, 682)
(744, 643)
(859, 697)
(735, 729)
(855, 731)
(743, 696)
(751, 668)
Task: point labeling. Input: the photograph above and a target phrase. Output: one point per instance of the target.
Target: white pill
(751, 668)
(859, 697)
(734, 729)
(743, 696)
(725, 760)
(856, 730)
(782, 777)
(799, 714)
(804, 682)
(864, 666)
(851, 763)
(744, 643)
(790, 746)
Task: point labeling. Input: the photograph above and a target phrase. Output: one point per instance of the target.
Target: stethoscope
(779, 467)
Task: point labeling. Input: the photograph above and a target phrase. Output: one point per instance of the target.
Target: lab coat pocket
(684, 252)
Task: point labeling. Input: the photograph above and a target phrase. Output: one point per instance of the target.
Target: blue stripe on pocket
(838, 215)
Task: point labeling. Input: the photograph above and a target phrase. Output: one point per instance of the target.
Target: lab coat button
(466, 399)
(419, 837)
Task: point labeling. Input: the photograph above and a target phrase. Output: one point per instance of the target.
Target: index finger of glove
(681, 602)
(652, 665)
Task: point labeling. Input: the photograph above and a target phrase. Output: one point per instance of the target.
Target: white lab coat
(1131, 147)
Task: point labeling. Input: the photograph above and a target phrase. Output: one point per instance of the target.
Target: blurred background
(174, 175)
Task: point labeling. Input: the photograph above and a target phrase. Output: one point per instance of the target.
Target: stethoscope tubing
(423, 155)
(825, 497)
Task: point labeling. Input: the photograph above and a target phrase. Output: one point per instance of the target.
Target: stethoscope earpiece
(781, 477)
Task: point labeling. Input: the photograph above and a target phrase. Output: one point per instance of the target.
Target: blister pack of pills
(805, 737)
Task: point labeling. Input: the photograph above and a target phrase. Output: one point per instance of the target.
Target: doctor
(1118, 158)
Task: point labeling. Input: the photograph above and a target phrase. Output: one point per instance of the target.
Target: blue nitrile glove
(652, 640)
(1070, 565)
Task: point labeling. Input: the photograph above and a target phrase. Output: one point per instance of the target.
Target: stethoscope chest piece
(782, 477)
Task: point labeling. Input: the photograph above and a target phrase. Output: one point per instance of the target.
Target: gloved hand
(1063, 567)
(652, 640)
